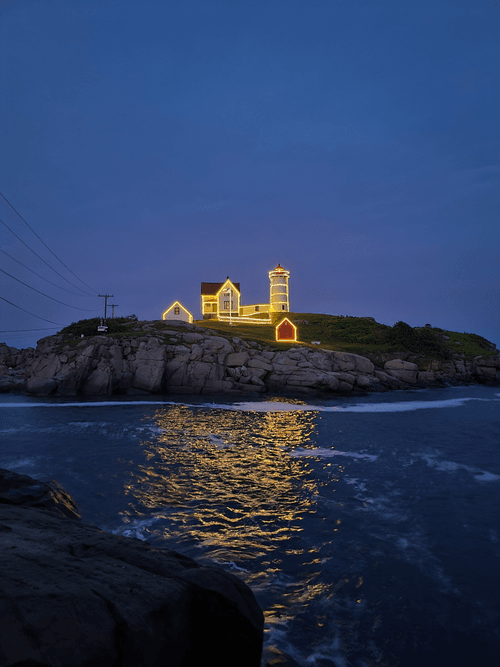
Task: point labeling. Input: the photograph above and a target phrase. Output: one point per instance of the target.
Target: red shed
(286, 330)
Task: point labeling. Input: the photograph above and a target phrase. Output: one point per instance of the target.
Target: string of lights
(88, 310)
(41, 258)
(43, 242)
(33, 314)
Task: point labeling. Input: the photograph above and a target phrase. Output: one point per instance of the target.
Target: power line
(27, 311)
(46, 279)
(53, 253)
(37, 255)
(88, 310)
(21, 330)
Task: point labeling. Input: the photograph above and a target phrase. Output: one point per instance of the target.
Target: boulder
(400, 365)
(22, 490)
(69, 384)
(99, 381)
(46, 366)
(329, 382)
(426, 377)
(12, 383)
(486, 370)
(200, 370)
(389, 381)
(75, 596)
(368, 383)
(196, 353)
(237, 359)
(259, 362)
(149, 366)
(41, 386)
(345, 361)
(410, 377)
(320, 361)
(304, 377)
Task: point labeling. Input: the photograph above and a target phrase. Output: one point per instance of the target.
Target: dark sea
(368, 528)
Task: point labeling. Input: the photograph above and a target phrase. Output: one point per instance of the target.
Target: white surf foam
(406, 406)
(19, 463)
(453, 466)
(269, 406)
(138, 528)
(402, 406)
(89, 404)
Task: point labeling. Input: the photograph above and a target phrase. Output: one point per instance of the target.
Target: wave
(453, 466)
(270, 406)
(403, 406)
(88, 404)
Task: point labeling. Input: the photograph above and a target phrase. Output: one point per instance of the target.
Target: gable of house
(215, 300)
(177, 312)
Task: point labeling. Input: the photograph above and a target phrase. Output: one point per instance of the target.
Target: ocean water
(368, 528)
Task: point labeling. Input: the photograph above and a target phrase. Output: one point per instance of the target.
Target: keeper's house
(222, 301)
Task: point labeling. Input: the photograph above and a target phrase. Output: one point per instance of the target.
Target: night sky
(153, 145)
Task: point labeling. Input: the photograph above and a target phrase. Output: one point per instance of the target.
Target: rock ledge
(72, 595)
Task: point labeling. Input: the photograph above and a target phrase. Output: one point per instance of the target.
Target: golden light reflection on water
(224, 479)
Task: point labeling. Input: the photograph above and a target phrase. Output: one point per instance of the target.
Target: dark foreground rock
(73, 595)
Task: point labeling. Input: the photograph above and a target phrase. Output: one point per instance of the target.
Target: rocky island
(179, 358)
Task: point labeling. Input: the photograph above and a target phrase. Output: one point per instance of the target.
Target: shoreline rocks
(191, 360)
(72, 595)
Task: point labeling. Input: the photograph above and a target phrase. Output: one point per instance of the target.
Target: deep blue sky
(157, 144)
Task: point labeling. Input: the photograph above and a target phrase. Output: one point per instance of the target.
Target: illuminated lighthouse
(279, 301)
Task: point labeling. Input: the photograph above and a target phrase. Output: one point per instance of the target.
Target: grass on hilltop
(349, 334)
(359, 335)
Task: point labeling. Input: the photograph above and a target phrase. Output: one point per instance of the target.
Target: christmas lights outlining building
(222, 301)
(177, 312)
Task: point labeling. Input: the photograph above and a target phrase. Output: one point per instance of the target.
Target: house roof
(213, 288)
(286, 322)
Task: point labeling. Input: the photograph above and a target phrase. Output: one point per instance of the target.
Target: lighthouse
(279, 301)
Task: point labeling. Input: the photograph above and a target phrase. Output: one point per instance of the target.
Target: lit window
(177, 311)
(257, 308)
(226, 305)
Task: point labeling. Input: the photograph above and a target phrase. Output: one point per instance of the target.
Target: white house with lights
(177, 312)
(222, 301)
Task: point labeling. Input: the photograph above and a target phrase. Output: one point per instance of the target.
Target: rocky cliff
(187, 359)
(72, 595)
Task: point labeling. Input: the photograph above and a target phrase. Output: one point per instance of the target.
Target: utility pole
(113, 306)
(105, 297)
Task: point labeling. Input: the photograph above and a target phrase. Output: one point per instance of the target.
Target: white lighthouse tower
(279, 301)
